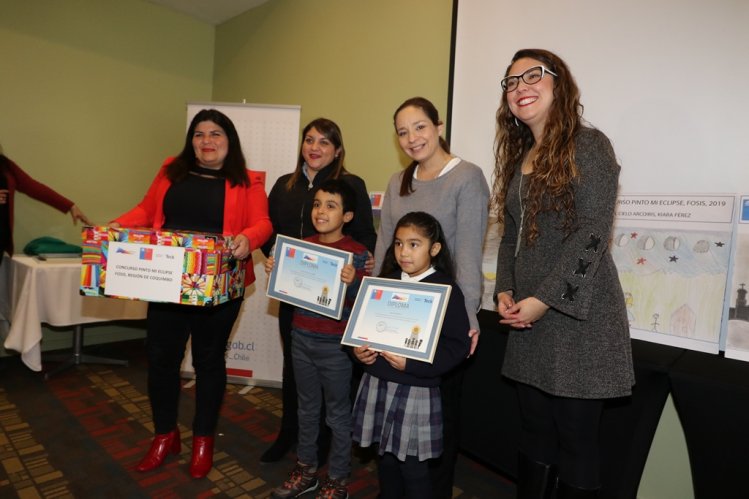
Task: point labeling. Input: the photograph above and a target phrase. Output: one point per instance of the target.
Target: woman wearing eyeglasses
(557, 288)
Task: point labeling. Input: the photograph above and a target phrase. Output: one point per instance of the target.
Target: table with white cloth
(36, 291)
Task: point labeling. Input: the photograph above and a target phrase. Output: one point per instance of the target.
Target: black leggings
(562, 431)
(168, 328)
(289, 419)
(398, 479)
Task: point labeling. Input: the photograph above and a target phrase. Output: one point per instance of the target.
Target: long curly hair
(554, 170)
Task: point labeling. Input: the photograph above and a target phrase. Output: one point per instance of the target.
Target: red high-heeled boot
(202, 456)
(163, 444)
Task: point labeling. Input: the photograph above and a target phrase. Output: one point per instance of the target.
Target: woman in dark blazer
(321, 157)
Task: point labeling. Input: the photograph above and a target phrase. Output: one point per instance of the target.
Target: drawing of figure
(654, 325)
(629, 301)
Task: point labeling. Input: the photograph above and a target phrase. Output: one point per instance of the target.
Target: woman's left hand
(396, 361)
(240, 247)
(524, 313)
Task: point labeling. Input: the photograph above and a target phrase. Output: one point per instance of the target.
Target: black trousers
(168, 328)
(562, 431)
(289, 419)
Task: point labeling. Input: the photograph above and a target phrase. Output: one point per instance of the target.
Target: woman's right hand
(369, 264)
(519, 315)
(508, 310)
(270, 262)
(504, 303)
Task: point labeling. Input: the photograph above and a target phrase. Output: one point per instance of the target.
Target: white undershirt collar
(446, 169)
(417, 278)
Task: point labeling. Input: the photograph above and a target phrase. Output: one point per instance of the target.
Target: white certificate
(308, 275)
(401, 317)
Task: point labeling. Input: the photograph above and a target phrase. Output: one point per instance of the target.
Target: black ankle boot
(567, 491)
(535, 480)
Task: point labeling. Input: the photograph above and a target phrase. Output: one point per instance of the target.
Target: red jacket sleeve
(24, 183)
(256, 223)
(246, 212)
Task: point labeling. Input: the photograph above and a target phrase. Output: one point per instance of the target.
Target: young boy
(321, 365)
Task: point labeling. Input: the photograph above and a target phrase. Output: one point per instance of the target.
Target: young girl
(398, 405)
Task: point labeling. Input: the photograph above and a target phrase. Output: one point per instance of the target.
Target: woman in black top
(206, 188)
(321, 157)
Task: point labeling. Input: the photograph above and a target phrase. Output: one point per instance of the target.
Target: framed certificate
(400, 317)
(308, 275)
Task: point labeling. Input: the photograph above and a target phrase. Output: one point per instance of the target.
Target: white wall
(664, 79)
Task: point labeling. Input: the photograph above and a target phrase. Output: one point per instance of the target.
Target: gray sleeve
(387, 224)
(571, 286)
(471, 218)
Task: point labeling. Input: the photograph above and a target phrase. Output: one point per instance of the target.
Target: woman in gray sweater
(557, 287)
(455, 192)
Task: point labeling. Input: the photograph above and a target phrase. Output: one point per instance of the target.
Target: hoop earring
(516, 121)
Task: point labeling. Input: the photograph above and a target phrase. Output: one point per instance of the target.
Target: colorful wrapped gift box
(210, 275)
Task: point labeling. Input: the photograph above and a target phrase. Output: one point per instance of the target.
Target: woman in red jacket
(13, 179)
(206, 188)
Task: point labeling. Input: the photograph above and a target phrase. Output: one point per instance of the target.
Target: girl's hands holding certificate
(396, 361)
(365, 355)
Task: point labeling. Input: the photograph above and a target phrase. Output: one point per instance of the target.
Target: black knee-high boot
(535, 480)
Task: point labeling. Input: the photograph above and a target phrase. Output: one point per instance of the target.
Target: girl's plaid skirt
(404, 420)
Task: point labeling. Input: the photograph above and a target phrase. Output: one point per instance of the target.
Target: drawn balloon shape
(672, 243)
(622, 240)
(646, 243)
(702, 246)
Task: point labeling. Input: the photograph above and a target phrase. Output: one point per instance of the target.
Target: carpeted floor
(80, 433)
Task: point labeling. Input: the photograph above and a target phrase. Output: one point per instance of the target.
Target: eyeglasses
(529, 76)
